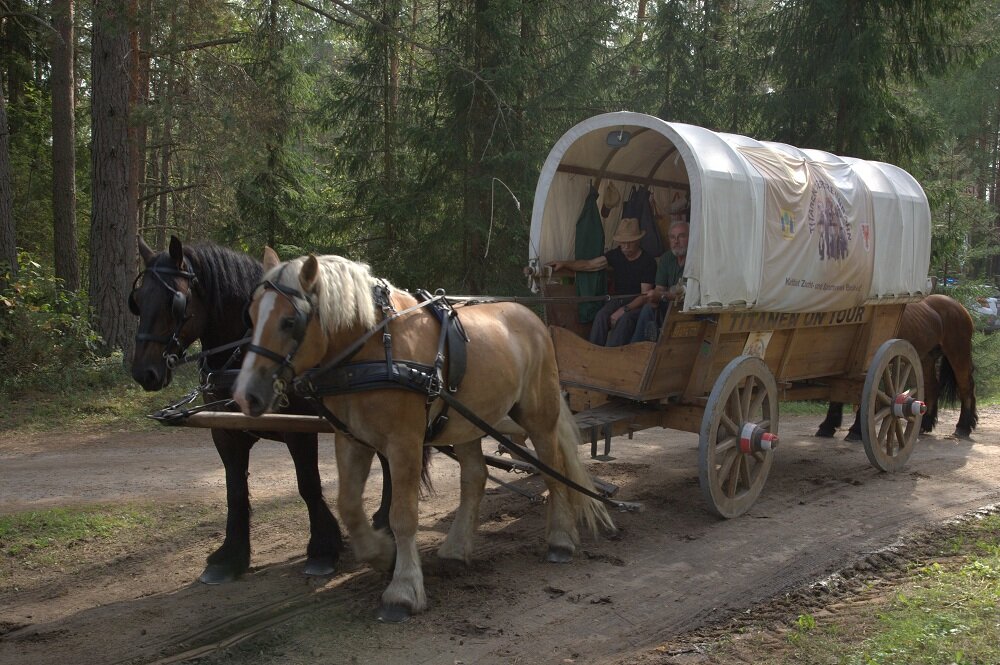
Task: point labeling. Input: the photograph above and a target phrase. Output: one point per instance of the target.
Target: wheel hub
(905, 405)
(755, 439)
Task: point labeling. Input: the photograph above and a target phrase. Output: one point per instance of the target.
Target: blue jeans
(647, 328)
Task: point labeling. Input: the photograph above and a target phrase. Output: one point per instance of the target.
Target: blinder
(179, 300)
(294, 326)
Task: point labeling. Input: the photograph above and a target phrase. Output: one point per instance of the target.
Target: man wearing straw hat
(634, 274)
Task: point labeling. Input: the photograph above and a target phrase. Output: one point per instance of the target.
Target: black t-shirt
(631, 275)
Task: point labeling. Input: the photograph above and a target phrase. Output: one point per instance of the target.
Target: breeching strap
(518, 451)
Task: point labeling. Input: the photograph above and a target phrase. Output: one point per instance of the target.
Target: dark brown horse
(197, 292)
(940, 329)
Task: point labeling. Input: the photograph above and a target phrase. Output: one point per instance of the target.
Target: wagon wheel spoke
(883, 413)
(892, 376)
(745, 470)
(726, 465)
(730, 480)
(895, 371)
(897, 427)
(757, 404)
(734, 473)
(725, 445)
(904, 380)
(749, 396)
(886, 422)
(734, 407)
(727, 422)
(883, 398)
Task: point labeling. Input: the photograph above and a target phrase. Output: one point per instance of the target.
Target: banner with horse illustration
(818, 244)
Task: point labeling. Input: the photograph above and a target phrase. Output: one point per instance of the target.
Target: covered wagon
(799, 266)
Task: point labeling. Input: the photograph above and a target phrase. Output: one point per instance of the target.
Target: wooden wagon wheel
(892, 405)
(738, 431)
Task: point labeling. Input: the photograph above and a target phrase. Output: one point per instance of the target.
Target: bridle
(173, 348)
(296, 327)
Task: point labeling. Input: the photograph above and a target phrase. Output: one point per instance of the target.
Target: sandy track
(674, 568)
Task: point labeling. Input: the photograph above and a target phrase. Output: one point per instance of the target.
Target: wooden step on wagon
(797, 272)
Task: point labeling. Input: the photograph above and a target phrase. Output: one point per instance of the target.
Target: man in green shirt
(668, 284)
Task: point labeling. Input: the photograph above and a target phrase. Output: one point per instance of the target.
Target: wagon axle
(906, 405)
(755, 439)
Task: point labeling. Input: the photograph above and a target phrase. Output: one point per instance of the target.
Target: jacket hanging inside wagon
(773, 227)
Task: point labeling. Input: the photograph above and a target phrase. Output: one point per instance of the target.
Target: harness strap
(317, 373)
(518, 451)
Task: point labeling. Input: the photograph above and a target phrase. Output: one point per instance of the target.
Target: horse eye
(287, 323)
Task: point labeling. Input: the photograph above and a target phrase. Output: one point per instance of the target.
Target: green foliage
(46, 341)
(32, 532)
(986, 358)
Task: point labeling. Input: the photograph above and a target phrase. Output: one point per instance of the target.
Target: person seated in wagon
(668, 284)
(634, 272)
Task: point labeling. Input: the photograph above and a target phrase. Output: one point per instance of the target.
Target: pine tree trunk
(142, 101)
(109, 267)
(390, 106)
(166, 141)
(65, 252)
(134, 157)
(8, 240)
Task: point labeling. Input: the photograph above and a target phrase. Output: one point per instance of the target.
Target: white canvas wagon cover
(773, 227)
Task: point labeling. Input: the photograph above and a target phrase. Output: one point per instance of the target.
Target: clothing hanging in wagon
(637, 207)
(589, 245)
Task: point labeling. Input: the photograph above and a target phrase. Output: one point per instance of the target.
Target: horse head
(170, 316)
(288, 336)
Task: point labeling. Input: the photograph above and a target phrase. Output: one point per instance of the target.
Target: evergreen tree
(841, 71)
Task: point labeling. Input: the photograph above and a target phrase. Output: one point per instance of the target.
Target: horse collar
(382, 298)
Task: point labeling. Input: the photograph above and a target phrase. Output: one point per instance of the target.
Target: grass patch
(36, 532)
(943, 611)
(115, 402)
(805, 408)
(37, 547)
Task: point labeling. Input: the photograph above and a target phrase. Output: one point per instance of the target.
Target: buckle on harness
(279, 388)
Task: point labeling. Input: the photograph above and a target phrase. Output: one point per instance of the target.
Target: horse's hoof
(853, 436)
(963, 434)
(824, 433)
(394, 614)
(216, 573)
(320, 566)
(558, 554)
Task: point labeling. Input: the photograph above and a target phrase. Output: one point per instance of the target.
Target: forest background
(409, 134)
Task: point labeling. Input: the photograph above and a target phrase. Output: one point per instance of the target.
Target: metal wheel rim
(889, 440)
(730, 480)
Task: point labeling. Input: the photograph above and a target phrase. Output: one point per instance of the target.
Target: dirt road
(674, 568)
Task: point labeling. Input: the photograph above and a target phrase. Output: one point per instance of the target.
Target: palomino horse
(198, 292)
(938, 327)
(315, 311)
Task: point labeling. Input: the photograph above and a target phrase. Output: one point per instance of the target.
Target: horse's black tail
(425, 471)
(947, 383)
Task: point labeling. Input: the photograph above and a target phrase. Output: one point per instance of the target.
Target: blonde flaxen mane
(343, 290)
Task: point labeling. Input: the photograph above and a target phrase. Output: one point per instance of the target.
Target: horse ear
(145, 253)
(270, 258)
(309, 273)
(177, 251)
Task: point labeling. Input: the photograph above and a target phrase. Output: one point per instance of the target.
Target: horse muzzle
(255, 394)
(150, 377)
